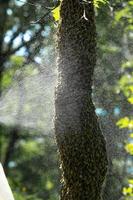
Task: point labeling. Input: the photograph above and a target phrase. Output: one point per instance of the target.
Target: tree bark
(3, 18)
(11, 147)
(81, 144)
(15, 132)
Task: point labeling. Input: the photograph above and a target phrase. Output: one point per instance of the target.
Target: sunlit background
(28, 74)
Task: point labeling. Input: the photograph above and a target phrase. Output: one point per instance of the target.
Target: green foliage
(124, 16)
(123, 122)
(15, 64)
(22, 196)
(97, 3)
(125, 85)
(128, 64)
(34, 174)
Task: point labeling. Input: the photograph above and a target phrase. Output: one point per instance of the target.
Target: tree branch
(24, 43)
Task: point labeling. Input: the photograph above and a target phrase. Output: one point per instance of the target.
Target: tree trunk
(81, 144)
(15, 133)
(11, 147)
(3, 18)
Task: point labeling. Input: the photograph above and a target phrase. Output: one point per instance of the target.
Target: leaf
(130, 100)
(49, 185)
(130, 181)
(56, 13)
(130, 2)
(97, 2)
(129, 148)
(130, 125)
(130, 88)
(17, 61)
(128, 64)
(131, 135)
(122, 13)
(128, 191)
(123, 123)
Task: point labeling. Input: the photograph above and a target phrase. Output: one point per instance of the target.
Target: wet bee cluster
(82, 147)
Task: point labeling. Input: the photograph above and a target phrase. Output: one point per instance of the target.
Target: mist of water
(29, 102)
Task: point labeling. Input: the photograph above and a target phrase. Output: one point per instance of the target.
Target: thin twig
(36, 5)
